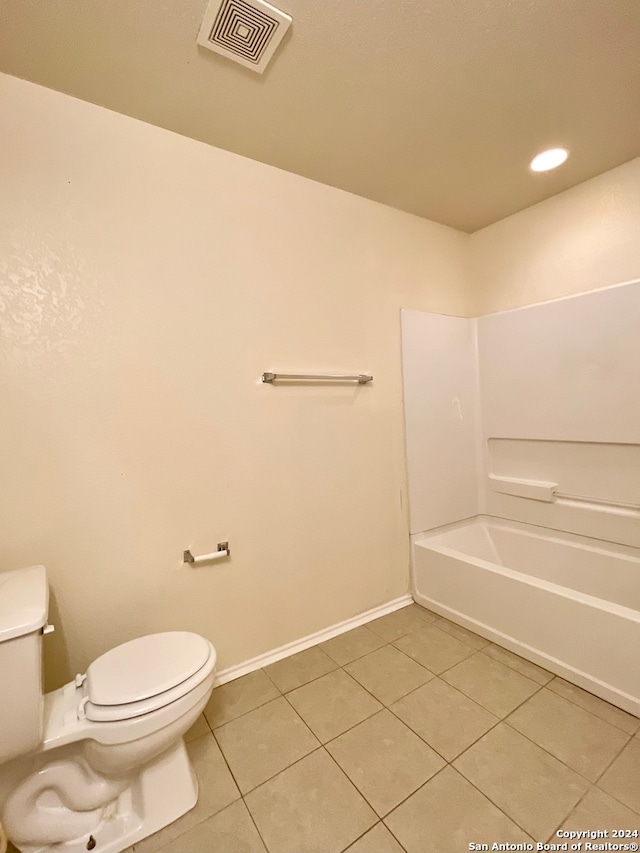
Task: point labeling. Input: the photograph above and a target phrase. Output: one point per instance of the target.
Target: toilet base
(164, 790)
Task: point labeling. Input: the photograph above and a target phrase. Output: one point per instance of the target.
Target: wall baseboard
(296, 646)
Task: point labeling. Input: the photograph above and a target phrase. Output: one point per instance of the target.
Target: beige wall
(583, 239)
(146, 281)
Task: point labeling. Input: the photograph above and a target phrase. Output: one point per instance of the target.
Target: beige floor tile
(376, 840)
(425, 614)
(216, 790)
(199, 728)
(310, 808)
(237, 697)
(351, 645)
(385, 760)
(332, 704)
(581, 740)
(230, 831)
(433, 648)
(599, 811)
(388, 674)
(445, 718)
(447, 814)
(496, 687)
(529, 785)
(299, 669)
(263, 742)
(465, 636)
(609, 713)
(524, 667)
(399, 623)
(622, 779)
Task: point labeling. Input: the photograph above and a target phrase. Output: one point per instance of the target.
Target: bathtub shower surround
(559, 385)
(566, 602)
(523, 447)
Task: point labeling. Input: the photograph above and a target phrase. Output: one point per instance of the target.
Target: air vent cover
(247, 31)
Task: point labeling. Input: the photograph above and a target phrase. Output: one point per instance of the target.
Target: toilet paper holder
(223, 551)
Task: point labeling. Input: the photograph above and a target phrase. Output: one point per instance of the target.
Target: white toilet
(101, 762)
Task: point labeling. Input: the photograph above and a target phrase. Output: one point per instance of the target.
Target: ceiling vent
(247, 31)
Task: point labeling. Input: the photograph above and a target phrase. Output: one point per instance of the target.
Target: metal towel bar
(360, 378)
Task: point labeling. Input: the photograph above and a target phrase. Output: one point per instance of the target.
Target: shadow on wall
(57, 668)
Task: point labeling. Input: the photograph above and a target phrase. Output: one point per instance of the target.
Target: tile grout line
(478, 652)
(613, 797)
(243, 714)
(595, 716)
(433, 623)
(499, 720)
(570, 813)
(547, 683)
(224, 758)
(447, 763)
(564, 763)
(455, 769)
(368, 717)
(264, 670)
(355, 725)
(614, 759)
(321, 745)
(253, 821)
(383, 706)
(473, 652)
(315, 749)
(379, 822)
(587, 711)
(487, 797)
(473, 743)
(436, 675)
(283, 770)
(207, 817)
(450, 763)
(358, 792)
(393, 835)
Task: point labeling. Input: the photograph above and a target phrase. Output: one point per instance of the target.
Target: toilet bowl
(109, 766)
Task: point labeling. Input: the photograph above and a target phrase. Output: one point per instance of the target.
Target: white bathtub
(566, 602)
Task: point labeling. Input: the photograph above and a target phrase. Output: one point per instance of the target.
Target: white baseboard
(310, 640)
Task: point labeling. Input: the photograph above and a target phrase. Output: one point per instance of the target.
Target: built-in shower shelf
(541, 490)
(537, 490)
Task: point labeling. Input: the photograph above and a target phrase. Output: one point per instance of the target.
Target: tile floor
(407, 734)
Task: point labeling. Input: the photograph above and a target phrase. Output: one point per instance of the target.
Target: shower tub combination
(567, 602)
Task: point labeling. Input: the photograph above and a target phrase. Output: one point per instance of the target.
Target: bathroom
(148, 281)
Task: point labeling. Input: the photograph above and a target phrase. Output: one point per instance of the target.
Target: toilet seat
(144, 675)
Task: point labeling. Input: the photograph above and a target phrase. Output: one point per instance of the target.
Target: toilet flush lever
(48, 629)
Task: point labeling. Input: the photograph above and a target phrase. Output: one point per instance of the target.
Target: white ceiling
(431, 106)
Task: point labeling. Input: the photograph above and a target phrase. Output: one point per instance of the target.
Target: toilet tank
(24, 606)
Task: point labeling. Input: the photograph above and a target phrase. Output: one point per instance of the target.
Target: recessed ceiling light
(547, 160)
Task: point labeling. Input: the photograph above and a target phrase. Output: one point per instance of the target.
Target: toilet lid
(145, 667)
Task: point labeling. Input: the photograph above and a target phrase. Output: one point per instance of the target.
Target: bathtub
(568, 603)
